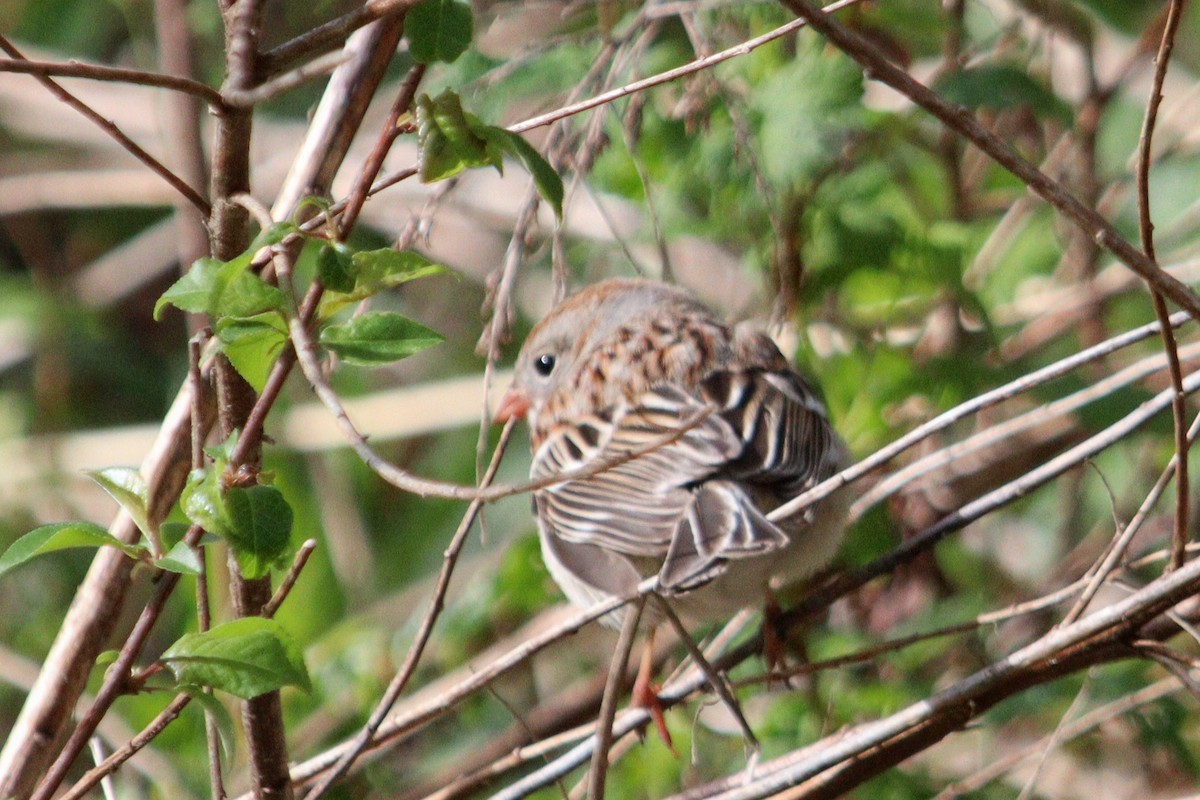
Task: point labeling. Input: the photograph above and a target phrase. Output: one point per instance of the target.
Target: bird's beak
(514, 405)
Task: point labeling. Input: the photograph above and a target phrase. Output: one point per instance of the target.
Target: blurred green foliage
(907, 276)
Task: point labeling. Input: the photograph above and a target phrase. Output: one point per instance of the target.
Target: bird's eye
(544, 364)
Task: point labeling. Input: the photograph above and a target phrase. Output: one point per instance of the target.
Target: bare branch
(1146, 231)
(192, 195)
(962, 121)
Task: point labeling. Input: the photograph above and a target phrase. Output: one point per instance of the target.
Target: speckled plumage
(625, 363)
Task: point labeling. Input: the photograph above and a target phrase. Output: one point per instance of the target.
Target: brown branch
(129, 749)
(327, 37)
(39, 731)
(339, 115)
(262, 716)
(413, 657)
(963, 121)
(101, 72)
(156, 166)
(387, 137)
(180, 701)
(849, 758)
(248, 98)
(1084, 724)
(115, 682)
(1146, 231)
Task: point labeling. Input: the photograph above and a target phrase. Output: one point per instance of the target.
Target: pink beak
(514, 405)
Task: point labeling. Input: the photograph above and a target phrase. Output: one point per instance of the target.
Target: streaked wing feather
(634, 507)
(721, 523)
(787, 437)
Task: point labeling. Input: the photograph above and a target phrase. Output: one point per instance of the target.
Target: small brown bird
(626, 363)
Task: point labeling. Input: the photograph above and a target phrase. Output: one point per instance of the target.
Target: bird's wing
(683, 505)
(786, 442)
(635, 507)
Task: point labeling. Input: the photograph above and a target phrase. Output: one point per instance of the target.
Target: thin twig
(212, 734)
(1146, 231)
(171, 712)
(102, 770)
(193, 196)
(963, 121)
(657, 79)
(101, 72)
(281, 84)
(598, 775)
(383, 143)
(719, 684)
(326, 37)
(1073, 730)
(413, 657)
(115, 682)
(1116, 550)
(978, 403)
(990, 436)
(289, 580)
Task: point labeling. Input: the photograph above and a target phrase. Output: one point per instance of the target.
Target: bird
(627, 363)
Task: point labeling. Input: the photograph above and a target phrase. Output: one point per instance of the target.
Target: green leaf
(1002, 86)
(204, 503)
(246, 657)
(127, 486)
(220, 715)
(252, 344)
(262, 528)
(255, 521)
(221, 289)
(62, 536)
(335, 267)
(172, 533)
(181, 559)
(547, 181)
(373, 271)
(378, 337)
(446, 140)
(275, 234)
(438, 30)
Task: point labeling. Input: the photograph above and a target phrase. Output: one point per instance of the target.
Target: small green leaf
(220, 715)
(252, 344)
(246, 657)
(547, 181)
(275, 234)
(221, 289)
(378, 337)
(385, 268)
(127, 486)
(335, 267)
(204, 503)
(62, 536)
(262, 528)
(193, 292)
(373, 271)
(247, 295)
(446, 141)
(438, 30)
(255, 521)
(181, 559)
(172, 533)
